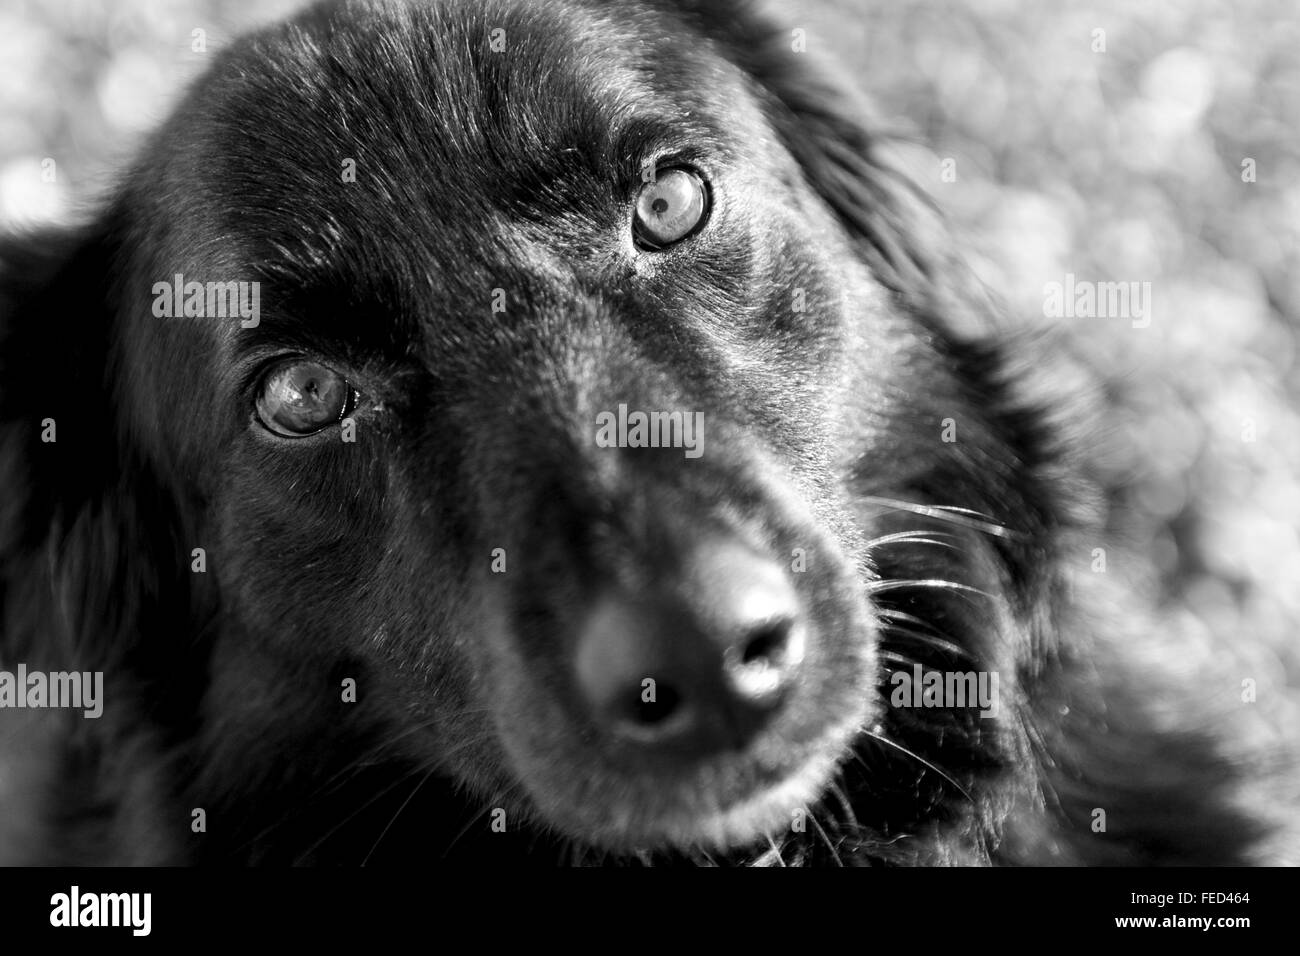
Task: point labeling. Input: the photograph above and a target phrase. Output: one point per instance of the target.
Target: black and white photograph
(445, 435)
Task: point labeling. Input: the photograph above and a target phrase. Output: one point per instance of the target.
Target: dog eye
(301, 398)
(670, 208)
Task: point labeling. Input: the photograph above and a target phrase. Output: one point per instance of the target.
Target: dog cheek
(290, 548)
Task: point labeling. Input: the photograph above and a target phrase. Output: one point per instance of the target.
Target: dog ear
(92, 563)
(87, 536)
(55, 418)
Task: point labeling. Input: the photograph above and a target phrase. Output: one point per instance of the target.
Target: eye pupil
(660, 206)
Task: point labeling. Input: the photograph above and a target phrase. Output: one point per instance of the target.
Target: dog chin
(748, 821)
(761, 815)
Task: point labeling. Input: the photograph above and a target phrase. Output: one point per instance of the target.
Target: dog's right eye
(301, 398)
(671, 208)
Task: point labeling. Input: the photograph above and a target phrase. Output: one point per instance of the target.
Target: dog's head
(573, 356)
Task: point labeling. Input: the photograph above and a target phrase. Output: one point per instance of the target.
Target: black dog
(538, 431)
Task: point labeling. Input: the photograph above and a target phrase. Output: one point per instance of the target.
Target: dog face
(570, 424)
(655, 644)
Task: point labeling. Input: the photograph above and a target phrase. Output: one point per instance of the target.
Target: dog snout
(698, 664)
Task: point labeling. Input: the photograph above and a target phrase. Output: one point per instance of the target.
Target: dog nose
(698, 666)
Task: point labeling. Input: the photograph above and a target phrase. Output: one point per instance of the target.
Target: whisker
(700, 851)
(577, 853)
(850, 817)
(896, 615)
(350, 771)
(911, 537)
(932, 640)
(498, 798)
(963, 517)
(827, 840)
(898, 658)
(366, 757)
(410, 796)
(347, 819)
(898, 584)
(915, 756)
(472, 743)
(770, 857)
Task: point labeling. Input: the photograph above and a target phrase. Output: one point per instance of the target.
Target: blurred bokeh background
(1123, 162)
(1117, 141)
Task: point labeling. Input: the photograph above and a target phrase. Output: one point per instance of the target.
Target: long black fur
(366, 562)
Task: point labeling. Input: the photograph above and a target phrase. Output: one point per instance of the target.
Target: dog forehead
(434, 92)
(366, 123)
(400, 156)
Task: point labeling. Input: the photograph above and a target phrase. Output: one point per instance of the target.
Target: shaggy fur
(326, 560)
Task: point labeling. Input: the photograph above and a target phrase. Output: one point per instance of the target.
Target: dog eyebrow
(328, 319)
(663, 137)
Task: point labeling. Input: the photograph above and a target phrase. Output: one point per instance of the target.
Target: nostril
(767, 643)
(753, 610)
(635, 672)
(662, 705)
(761, 665)
(695, 669)
(662, 717)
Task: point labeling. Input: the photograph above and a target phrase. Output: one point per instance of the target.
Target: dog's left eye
(670, 208)
(301, 398)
